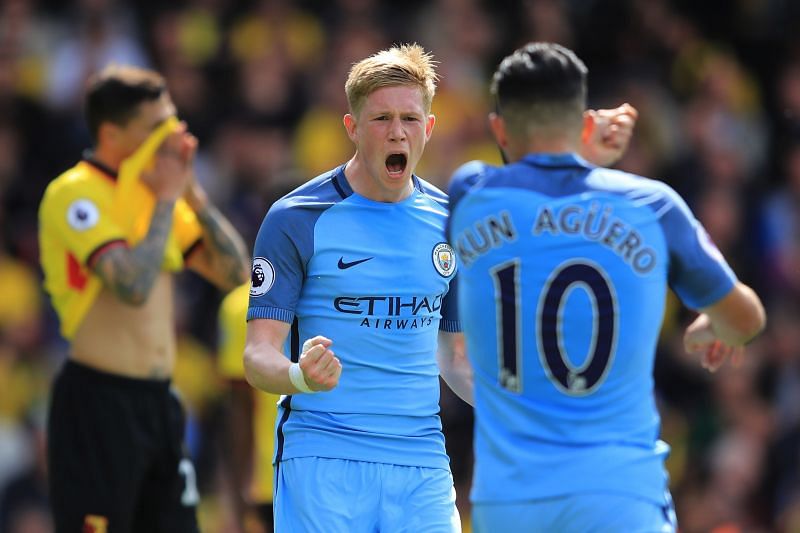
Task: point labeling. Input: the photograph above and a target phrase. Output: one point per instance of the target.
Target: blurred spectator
(269, 90)
(319, 141)
(278, 27)
(780, 214)
(191, 35)
(100, 32)
(24, 506)
(548, 20)
(27, 38)
(788, 100)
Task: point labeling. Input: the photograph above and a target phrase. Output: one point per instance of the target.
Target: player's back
(576, 260)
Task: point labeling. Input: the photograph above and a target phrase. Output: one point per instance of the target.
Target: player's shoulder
(313, 196)
(640, 190)
(79, 177)
(79, 183)
(471, 172)
(468, 176)
(432, 191)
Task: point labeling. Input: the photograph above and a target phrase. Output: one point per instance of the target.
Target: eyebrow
(401, 113)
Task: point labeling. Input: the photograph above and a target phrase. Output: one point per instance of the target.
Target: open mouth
(396, 164)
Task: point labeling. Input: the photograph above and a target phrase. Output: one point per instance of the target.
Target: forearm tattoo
(225, 248)
(131, 274)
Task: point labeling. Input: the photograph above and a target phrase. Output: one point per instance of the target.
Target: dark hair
(114, 94)
(541, 77)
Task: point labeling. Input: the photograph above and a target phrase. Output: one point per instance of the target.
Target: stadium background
(717, 85)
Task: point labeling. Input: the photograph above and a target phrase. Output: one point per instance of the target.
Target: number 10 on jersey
(565, 376)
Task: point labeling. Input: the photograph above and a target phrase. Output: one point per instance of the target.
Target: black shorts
(116, 457)
(266, 515)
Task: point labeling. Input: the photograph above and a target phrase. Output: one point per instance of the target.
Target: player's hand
(607, 133)
(195, 195)
(700, 339)
(321, 368)
(172, 169)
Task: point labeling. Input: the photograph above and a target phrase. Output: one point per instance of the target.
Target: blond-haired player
(353, 281)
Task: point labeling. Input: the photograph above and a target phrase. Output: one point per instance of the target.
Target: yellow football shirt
(83, 212)
(233, 328)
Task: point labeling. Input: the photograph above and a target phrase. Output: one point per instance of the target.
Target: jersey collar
(557, 160)
(107, 171)
(343, 186)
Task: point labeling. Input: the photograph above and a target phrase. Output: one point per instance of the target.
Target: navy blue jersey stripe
(294, 354)
(338, 186)
(554, 166)
(286, 403)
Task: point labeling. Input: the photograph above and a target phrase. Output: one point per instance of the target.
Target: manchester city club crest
(444, 259)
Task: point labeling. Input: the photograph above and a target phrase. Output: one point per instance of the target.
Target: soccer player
(564, 268)
(113, 230)
(352, 281)
(252, 419)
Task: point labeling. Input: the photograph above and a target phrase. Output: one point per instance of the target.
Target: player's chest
(361, 256)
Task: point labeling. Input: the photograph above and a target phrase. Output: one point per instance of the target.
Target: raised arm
(607, 133)
(222, 256)
(268, 369)
(130, 273)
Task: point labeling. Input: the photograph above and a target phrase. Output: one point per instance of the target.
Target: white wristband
(297, 378)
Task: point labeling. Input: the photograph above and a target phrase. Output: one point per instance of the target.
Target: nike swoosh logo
(343, 265)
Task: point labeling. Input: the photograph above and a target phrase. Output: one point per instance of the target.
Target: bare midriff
(131, 341)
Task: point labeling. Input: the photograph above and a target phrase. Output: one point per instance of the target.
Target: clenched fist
(321, 368)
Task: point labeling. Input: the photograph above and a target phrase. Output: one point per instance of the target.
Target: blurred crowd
(260, 83)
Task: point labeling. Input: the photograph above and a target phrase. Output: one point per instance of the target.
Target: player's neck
(541, 145)
(107, 157)
(363, 184)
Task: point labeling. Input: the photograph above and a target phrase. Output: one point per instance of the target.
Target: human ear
(498, 127)
(588, 126)
(350, 126)
(429, 126)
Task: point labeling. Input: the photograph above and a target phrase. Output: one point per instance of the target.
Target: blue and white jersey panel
(375, 278)
(574, 262)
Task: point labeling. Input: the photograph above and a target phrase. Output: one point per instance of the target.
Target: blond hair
(407, 64)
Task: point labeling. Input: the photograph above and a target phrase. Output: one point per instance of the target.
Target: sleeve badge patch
(262, 277)
(82, 215)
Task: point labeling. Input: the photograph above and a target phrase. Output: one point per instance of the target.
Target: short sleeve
(186, 227)
(79, 212)
(279, 265)
(698, 273)
(462, 179)
(450, 322)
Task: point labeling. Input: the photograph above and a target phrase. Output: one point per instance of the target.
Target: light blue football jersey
(377, 279)
(563, 274)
